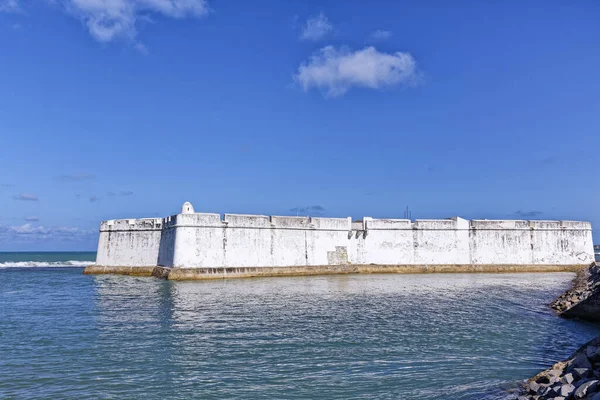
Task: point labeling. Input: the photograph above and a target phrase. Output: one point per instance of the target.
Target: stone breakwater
(575, 378)
(583, 299)
(579, 376)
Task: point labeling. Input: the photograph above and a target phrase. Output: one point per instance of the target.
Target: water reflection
(354, 336)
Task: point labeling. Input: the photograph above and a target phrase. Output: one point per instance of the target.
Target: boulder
(589, 386)
(533, 387)
(581, 361)
(566, 390)
(582, 372)
(596, 396)
(567, 378)
(591, 352)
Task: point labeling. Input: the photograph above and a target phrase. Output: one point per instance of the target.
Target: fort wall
(201, 240)
(129, 242)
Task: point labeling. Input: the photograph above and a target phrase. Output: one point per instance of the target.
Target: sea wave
(44, 264)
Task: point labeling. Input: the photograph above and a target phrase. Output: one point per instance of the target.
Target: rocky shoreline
(585, 285)
(578, 377)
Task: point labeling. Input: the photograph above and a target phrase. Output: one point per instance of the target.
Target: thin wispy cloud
(77, 177)
(316, 210)
(29, 232)
(7, 185)
(25, 197)
(527, 214)
(316, 27)
(549, 160)
(118, 19)
(9, 6)
(31, 219)
(335, 71)
(380, 35)
(121, 193)
(93, 199)
(109, 20)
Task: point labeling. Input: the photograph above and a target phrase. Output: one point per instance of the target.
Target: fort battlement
(249, 245)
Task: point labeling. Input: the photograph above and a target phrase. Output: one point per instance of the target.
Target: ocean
(65, 335)
(46, 259)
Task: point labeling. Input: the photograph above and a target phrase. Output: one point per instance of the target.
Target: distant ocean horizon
(41, 259)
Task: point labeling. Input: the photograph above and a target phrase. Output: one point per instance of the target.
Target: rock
(577, 378)
(545, 391)
(568, 378)
(581, 361)
(550, 377)
(596, 396)
(533, 387)
(589, 386)
(566, 390)
(582, 372)
(591, 352)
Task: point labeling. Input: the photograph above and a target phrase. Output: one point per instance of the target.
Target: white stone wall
(129, 242)
(196, 240)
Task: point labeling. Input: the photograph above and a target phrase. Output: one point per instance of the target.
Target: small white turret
(187, 208)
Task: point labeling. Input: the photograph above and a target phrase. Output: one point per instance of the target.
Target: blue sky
(128, 108)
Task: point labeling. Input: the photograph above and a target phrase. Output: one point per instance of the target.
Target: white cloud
(9, 6)
(316, 27)
(380, 35)
(30, 232)
(77, 177)
(25, 197)
(335, 71)
(121, 193)
(107, 20)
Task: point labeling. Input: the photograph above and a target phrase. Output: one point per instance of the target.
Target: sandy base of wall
(134, 271)
(180, 274)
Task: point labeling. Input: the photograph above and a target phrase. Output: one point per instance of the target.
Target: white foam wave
(42, 264)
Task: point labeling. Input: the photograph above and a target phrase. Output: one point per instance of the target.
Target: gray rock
(556, 389)
(581, 361)
(550, 377)
(545, 391)
(568, 378)
(589, 386)
(582, 372)
(591, 351)
(596, 396)
(533, 387)
(566, 390)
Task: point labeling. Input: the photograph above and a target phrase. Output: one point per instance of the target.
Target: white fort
(201, 245)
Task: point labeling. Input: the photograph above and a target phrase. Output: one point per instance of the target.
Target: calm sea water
(463, 336)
